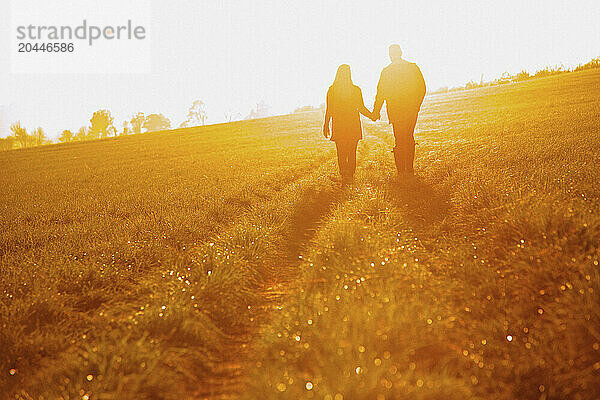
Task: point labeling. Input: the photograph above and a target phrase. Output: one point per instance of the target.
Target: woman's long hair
(342, 84)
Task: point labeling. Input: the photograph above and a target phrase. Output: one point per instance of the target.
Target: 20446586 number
(46, 47)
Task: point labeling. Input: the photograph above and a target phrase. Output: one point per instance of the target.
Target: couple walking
(401, 86)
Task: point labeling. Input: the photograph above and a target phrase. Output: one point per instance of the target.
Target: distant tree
(8, 143)
(39, 137)
(126, 128)
(66, 136)
(261, 110)
(550, 71)
(102, 124)
(20, 134)
(231, 116)
(521, 76)
(137, 122)
(196, 114)
(156, 122)
(83, 133)
(504, 78)
(593, 63)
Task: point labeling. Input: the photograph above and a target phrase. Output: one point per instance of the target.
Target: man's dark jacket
(402, 86)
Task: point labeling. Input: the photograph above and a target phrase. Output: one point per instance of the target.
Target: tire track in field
(312, 198)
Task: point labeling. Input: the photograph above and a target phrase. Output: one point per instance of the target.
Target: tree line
(523, 76)
(102, 125)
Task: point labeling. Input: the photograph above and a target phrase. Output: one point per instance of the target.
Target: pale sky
(233, 54)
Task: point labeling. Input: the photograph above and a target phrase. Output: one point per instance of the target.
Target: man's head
(395, 53)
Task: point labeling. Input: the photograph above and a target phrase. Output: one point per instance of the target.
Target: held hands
(375, 116)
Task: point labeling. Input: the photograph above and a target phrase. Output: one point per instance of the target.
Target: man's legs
(410, 147)
(404, 150)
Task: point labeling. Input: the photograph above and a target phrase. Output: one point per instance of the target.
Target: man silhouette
(402, 87)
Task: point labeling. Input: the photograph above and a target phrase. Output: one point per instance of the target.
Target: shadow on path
(310, 205)
(421, 205)
(314, 204)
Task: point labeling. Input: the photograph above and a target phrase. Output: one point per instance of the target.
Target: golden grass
(223, 261)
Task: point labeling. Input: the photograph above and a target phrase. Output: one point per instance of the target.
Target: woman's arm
(326, 130)
(361, 107)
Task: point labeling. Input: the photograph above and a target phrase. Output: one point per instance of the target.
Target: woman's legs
(346, 152)
(352, 157)
(342, 159)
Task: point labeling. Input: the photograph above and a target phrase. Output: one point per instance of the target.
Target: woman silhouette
(344, 103)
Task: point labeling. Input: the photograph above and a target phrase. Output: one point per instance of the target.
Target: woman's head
(343, 76)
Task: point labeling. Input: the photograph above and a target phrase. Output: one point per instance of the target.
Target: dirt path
(311, 199)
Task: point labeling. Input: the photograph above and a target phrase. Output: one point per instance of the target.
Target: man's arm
(421, 85)
(380, 97)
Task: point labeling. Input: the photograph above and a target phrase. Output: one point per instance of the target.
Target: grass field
(227, 262)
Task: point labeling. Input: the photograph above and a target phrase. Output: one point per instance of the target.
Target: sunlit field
(227, 261)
